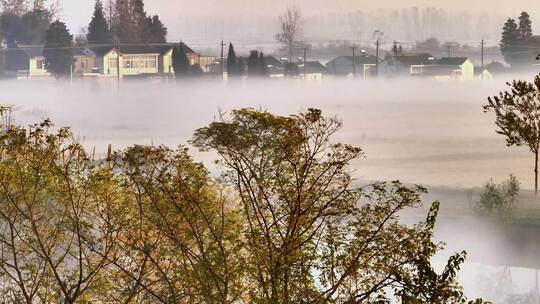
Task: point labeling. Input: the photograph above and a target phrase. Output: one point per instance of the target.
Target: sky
(181, 14)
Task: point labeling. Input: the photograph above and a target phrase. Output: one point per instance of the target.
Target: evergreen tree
(262, 65)
(140, 20)
(525, 26)
(509, 44)
(232, 62)
(180, 62)
(254, 64)
(57, 52)
(157, 32)
(98, 29)
(124, 27)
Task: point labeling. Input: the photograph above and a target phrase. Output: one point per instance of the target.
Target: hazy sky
(177, 12)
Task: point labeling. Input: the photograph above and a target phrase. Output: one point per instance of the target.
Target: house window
(39, 64)
(139, 62)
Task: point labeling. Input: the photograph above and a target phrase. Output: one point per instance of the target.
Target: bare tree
(290, 30)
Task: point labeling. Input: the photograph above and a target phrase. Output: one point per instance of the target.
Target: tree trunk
(536, 173)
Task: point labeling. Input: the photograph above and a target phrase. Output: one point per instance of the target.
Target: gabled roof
(413, 59)
(312, 67)
(360, 59)
(452, 60)
(271, 60)
(160, 49)
(32, 50)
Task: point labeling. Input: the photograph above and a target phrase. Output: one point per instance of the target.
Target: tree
(232, 62)
(180, 62)
(253, 64)
(290, 30)
(509, 42)
(132, 24)
(124, 27)
(29, 28)
(517, 116)
(311, 237)
(431, 44)
(57, 233)
(157, 32)
(57, 51)
(525, 27)
(516, 43)
(262, 65)
(139, 19)
(183, 242)
(98, 29)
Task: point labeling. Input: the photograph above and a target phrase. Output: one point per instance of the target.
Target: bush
(499, 200)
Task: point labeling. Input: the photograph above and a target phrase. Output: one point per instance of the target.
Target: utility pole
(377, 60)
(118, 63)
(449, 50)
(221, 62)
(482, 59)
(305, 71)
(354, 47)
(482, 54)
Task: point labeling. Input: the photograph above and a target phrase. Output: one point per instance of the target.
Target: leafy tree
(232, 62)
(311, 237)
(57, 52)
(98, 29)
(180, 62)
(517, 116)
(420, 283)
(183, 243)
(59, 230)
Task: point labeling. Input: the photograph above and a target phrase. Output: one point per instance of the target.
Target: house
(209, 64)
(347, 66)
(276, 68)
(311, 70)
(400, 65)
(139, 60)
(459, 68)
(84, 62)
(28, 62)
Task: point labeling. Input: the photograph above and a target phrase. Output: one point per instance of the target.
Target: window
(139, 62)
(39, 64)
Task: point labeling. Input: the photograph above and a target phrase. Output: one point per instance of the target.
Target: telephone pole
(305, 71)
(354, 47)
(118, 63)
(482, 53)
(377, 59)
(482, 59)
(221, 62)
(449, 50)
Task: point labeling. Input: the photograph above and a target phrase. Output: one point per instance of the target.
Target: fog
(425, 132)
(253, 24)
